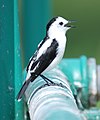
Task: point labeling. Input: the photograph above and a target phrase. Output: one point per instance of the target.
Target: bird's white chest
(62, 43)
(60, 53)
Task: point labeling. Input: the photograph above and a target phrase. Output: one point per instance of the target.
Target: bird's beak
(71, 21)
(69, 25)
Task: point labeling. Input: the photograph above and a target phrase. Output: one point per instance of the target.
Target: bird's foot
(48, 81)
(51, 83)
(56, 84)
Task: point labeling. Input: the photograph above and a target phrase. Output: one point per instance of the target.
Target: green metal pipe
(92, 114)
(76, 71)
(54, 102)
(83, 73)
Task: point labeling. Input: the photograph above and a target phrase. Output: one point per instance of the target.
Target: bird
(49, 52)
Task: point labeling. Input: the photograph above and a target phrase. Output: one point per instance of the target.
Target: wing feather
(33, 58)
(40, 64)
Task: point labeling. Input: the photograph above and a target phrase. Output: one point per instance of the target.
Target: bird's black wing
(35, 54)
(44, 60)
(39, 65)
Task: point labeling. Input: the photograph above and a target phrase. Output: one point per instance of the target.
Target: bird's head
(59, 25)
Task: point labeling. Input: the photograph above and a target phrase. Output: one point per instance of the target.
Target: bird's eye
(61, 23)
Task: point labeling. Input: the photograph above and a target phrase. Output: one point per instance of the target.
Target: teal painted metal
(10, 69)
(85, 81)
(7, 98)
(19, 107)
(92, 114)
(52, 102)
(83, 74)
(76, 71)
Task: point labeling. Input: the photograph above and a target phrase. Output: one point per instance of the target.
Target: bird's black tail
(23, 89)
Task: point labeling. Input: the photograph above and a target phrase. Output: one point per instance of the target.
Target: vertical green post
(6, 60)
(19, 109)
(10, 60)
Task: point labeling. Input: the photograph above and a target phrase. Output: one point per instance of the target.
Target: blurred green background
(85, 39)
(33, 17)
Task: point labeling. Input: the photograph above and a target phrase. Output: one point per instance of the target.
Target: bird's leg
(51, 83)
(48, 81)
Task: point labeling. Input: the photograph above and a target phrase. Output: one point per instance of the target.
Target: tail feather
(22, 90)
